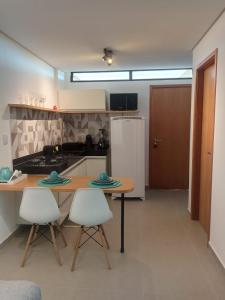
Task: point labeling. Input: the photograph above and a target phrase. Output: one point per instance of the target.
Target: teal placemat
(44, 184)
(104, 186)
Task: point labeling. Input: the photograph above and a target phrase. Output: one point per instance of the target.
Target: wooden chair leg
(104, 247)
(62, 234)
(29, 240)
(35, 233)
(104, 235)
(55, 245)
(76, 248)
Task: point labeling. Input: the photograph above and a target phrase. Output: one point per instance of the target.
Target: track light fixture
(107, 56)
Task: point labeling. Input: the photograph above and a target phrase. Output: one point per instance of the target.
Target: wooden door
(203, 135)
(169, 136)
(207, 146)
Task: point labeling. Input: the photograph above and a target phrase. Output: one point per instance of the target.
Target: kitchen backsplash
(76, 127)
(32, 129)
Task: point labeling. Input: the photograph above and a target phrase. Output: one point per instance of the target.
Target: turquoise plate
(46, 180)
(48, 184)
(106, 186)
(104, 181)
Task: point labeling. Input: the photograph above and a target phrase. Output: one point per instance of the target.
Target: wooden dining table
(76, 183)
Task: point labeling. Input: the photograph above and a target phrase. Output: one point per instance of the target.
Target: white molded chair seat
(90, 207)
(39, 206)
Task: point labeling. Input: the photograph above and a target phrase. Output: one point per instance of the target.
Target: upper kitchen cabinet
(80, 100)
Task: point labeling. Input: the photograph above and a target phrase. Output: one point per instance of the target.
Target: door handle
(156, 142)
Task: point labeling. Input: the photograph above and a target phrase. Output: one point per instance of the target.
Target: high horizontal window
(100, 76)
(131, 75)
(161, 74)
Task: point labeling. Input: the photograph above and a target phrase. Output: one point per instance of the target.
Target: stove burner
(53, 160)
(45, 164)
(37, 160)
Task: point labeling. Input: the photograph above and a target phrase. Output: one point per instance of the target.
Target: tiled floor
(166, 258)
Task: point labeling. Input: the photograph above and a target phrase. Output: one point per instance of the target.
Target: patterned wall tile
(31, 130)
(76, 127)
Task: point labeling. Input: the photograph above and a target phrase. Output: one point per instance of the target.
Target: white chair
(39, 207)
(90, 210)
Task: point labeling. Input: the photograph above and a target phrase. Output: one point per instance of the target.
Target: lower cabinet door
(95, 166)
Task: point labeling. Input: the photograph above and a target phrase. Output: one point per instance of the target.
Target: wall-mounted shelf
(97, 111)
(26, 106)
(74, 111)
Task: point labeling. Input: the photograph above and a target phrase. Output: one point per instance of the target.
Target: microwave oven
(124, 101)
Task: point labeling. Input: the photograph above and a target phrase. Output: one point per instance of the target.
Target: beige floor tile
(166, 258)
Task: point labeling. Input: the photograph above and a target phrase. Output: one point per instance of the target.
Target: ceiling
(71, 34)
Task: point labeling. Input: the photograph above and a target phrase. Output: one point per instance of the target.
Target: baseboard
(9, 237)
(216, 255)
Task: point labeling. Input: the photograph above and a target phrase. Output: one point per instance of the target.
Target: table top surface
(76, 183)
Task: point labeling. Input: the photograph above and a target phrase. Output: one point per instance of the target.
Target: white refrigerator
(128, 151)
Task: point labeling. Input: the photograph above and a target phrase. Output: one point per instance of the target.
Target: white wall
(21, 73)
(215, 38)
(140, 87)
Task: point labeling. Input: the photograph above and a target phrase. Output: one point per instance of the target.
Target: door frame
(150, 117)
(197, 134)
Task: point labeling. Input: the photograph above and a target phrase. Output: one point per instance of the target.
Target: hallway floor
(166, 258)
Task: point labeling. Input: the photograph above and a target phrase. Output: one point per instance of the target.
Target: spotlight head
(107, 56)
(109, 61)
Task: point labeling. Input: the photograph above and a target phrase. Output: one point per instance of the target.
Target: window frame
(108, 80)
(130, 75)
(166, 78)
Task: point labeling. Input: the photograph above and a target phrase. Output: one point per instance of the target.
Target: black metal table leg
(122, 223)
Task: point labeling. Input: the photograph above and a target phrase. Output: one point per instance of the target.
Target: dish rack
(16, 180)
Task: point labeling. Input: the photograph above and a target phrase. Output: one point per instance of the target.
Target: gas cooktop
(43, 165)
(48, 160)
(45, 161)
(46, 164)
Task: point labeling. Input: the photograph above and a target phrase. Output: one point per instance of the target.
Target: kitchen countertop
(64, 160)
(79, 161)
(76, 182)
